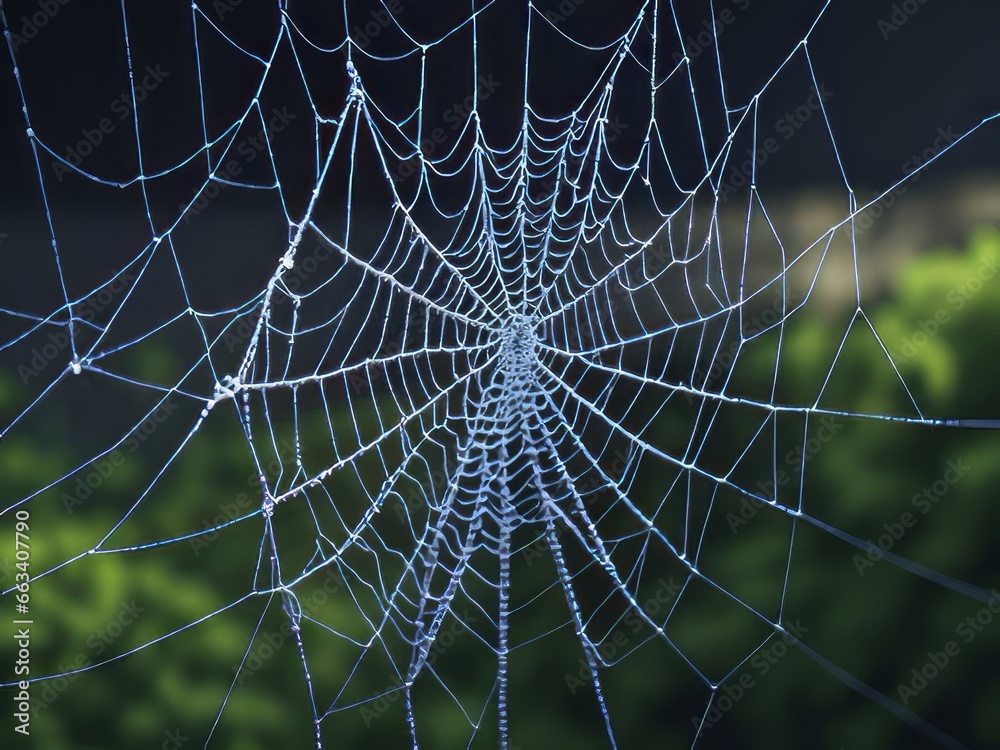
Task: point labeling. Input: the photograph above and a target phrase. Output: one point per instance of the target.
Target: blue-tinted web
(496, 365)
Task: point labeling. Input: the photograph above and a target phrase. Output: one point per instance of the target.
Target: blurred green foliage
(940, 328)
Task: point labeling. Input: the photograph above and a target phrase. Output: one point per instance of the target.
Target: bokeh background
(893, 91)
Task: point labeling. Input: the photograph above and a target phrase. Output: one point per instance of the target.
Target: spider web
(488, 337)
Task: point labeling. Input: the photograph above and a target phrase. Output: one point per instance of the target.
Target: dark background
(890, 95)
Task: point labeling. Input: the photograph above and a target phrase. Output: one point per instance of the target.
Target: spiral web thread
(492, 352)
